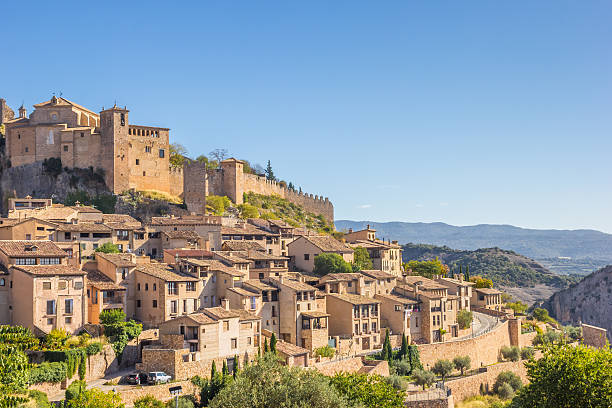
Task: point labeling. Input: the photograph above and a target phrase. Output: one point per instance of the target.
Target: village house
(401, 315)
(354, 318)
(460, 288)
(163, 293)
(266, 303)
(247, 232)
(304, 249)
(385, 256)
(487, 298)
(103, 294)
(173, 256)
(303, 320)
(384, 281)
(352, 283)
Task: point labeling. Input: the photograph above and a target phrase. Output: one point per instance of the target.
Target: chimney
(225, 304)
(350, 231)
(368, 226)
(394, 242)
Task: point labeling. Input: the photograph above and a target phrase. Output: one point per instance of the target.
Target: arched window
(2, 282)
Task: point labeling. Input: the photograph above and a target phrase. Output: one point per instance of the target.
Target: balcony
(112, 302)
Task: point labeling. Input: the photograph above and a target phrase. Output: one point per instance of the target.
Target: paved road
(481, 324)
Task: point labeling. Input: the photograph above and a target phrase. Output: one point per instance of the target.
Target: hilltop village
(218, 289)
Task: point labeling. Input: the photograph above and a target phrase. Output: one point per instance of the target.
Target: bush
(527, 353)
(550, 337)
(462, 363)
(401, 367)
(217, 204)
(443, 368)
(108, 248)
(52, 166)
(329, 262)
(464, 318)
(74, 359)
(325, 351)
(507, 377)
(183, 402)
(505, 391)
(396, 381)
(56, 339)
(93, 348)
(511, 353)
(423, 377)
(40, 399)
(148, 402)
(75, 389)
(53, 372)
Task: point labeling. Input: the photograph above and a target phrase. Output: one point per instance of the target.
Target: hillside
(588, 249)
(589, 301)
(505, 268)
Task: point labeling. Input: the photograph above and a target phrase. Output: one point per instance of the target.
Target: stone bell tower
(114, 146)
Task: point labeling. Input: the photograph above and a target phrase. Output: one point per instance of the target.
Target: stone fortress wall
(231, 181)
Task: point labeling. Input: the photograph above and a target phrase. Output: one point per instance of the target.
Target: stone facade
(160, 392)
(129, 156)
(433, 403)
(231, 181)
(353, 365)
(594, 336)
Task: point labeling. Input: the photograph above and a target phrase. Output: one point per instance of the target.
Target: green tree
(464, 318)
(427, 268)
(14, 375)
(362, 260)
(267, 383)
(443, 368)
(248, 211)
(511, 353)
(265, 346)
(403, 352)
(118, 330)
(108, 248)
(368, 390)
(178, 155)
(19, 337)
(507, 377)
(328, 262)
(273, 343)
(148, 401)
(95, 398)
(566, 377)
(269, 172)
(541, 314)
(184, 401)
(505, 391)
(423, 377)
(462, 363)
(414, 358)
(518, 307)
(75, 389)
(483, 283)
(217, 204)
(387, 351)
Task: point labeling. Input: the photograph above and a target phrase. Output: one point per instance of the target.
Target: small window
(82, 134)
(2, 282)
(162, 153)
(65, 148)
(144, 174)
(138, 303)
(28, 237)
(234, 343)
(226, 325)
(139, 287)
(147, 149)
(306, 257)
(137, 162)
(123, 119)
(26, 149)
(146, 286)
(154, 286)
(62, 285)
(50, 321)
(154, 303)
(46, 285)
(68, 319)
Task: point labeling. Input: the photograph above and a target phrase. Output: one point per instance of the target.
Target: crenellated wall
(176, 181)
(231, 181)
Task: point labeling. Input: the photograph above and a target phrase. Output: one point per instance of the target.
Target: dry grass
(481, 402)
(158, 195)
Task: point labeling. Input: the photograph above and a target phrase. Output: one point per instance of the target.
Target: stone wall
(199, 183)
(176, 181)
(435, 403)
(101, 364)
(594, 336)
(161, 392)
(465, 387)
(483, 350)
(353, 365)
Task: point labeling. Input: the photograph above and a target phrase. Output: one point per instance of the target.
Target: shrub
(527, 353)
(52, 166)
(511, 353)
(56, 339)
(325, 351)
(73, 358)
(401, 367)
(148, 401)
(464, 318)
(396, 381)
(75, 389)
(505, 391)
(443, 368)
(108, 248)
(93, 348)
(217, 204)
(329, 262)
(40, 398)
(462, 363)
(185, 401)
(53, 372)
(84, 339)
(507, 377)
(550, 337)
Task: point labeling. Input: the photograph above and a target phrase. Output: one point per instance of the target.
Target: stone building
(355, 317)
(304, 249)
(386, 256)
(487, 298)
(128, 156)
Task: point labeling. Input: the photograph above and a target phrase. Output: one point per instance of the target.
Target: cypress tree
(265, 346)
(467, 273)
(404, 349)
(213, 370)
(224, 370)
(273, 343)
(387, 350)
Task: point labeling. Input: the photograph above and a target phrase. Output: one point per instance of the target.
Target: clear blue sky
(464, 112)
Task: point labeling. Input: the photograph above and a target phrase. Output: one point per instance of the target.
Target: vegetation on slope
(505, 268)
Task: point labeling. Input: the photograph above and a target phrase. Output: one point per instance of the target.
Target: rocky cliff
(589, 301)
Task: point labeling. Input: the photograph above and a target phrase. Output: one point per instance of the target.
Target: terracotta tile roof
(121, 221)
(327, 244)
(214, 265)
(9, 222)
(397, 298)
(200, 318)
(377, 274)
(189, 253)
(246, 229)
(181, 234)
(262, 256)
(424, 282)
(30, 249)
(280, 224)
(244, 315)
(315, 314)
(165, 272)
(488, 291)
(119, 260)
(344, 277)
(294, 284)
(353, 299)
(83, 227)
(243, 292)
(50, 270)
(209, 220)
(60, 213)
(373, 244)
(218, 313)
(458, 282)
(85, 209)
(243, 246)
(289, 349)
(231, 257)
(259, 285)
(100, 281)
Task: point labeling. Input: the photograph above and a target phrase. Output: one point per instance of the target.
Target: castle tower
(114, 155)
(6, 113)
(233, 179)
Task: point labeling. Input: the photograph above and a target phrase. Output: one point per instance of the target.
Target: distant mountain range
(588, 249)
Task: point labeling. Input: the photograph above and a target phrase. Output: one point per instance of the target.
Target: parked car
(158, 377)
(137, 378)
